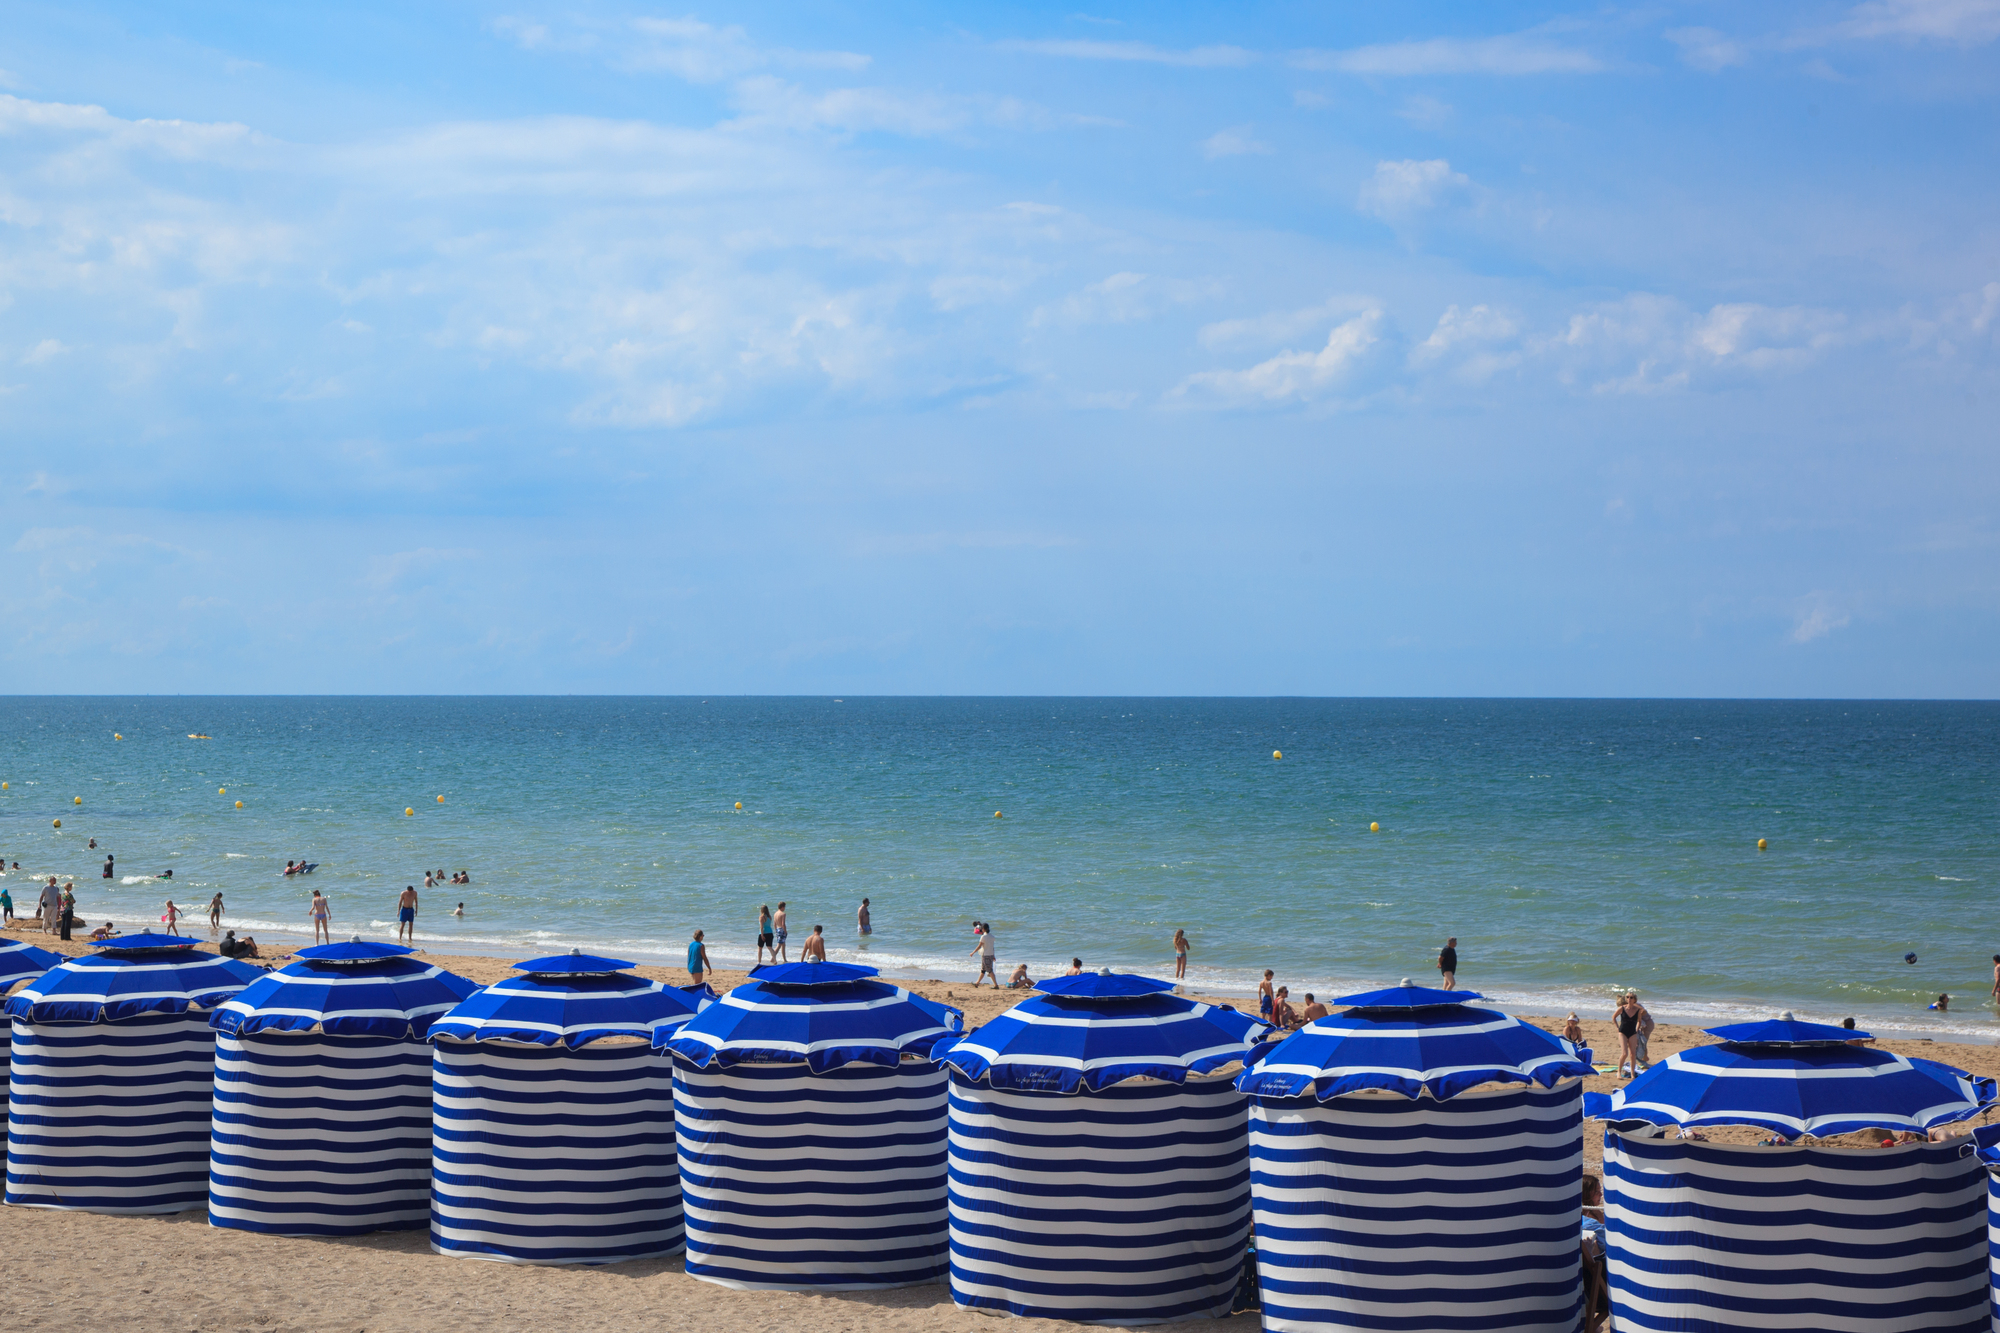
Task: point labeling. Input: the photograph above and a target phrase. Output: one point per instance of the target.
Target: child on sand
(1264, 996)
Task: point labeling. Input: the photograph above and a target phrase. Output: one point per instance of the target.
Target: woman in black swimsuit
(1626, 1016)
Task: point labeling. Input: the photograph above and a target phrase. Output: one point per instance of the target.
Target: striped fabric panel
(1708, 1237)
(1126, 1206)
(1993, 1245)
(796, 1181)
(320, 1136)
(110, 1117)
(543, 1155)
(1376, 1212)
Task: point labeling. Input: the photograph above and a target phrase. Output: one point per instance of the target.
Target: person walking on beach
(172, 917)
(68, 908)
(406, 914)
(1180, 954)
(697, 958)
(1448, 963)
(864, 927)
(1996, 978)
(1639, 1037)
(765, 938)
(779, 954)
(321, 912)
(814, 949)
(215, 913)
(1264, 996)
(984, 948)
(48, 905)
(1626, 1019)
(7, 908)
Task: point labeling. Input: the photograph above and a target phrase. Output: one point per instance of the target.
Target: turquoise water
(1572, 846)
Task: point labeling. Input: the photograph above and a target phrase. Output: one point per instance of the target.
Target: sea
(1573, 847)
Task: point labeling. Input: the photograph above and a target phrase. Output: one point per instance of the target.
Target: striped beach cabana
(323, 1093)
(554, 1117)
(1708, 1236)
(1416, 1162)
(1100, 1154)
(1987, 1137)
(19, 962)
(812, 1132)
(111, 1077)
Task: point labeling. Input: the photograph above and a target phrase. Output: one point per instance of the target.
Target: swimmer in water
(459, 910)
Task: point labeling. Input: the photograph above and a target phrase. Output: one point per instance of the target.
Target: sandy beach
(177, 1272)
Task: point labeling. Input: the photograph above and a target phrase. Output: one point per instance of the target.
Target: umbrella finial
(1408, 982)
(1103, 971)
(354, 939)
(575, 952)
(1786, 1017)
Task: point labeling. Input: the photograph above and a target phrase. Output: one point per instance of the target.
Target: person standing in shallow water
(779, 953)
(814, 949)
(697, 958)
(321, 912)
(215, 912)
(1448, 963)
(406, 914)
(1180, 954)
(765, 938)
(864, 926)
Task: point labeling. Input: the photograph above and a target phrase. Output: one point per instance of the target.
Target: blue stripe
(546, 1155)
(1130, 1205)
(110, 1117)
(1704, 1238)
(320, 1136)
(1378, 1212)
(801, 1181)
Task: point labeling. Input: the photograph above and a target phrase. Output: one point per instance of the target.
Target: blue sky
(1323, 349)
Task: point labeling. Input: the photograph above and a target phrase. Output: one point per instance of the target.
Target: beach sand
(84, 1271)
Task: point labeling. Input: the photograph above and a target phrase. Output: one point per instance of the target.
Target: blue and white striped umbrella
(346, 990)
(133, 975)
(572, 1000)
(20, 960)
(1099, 1034)
(1816, 1087)
(822, 1015)
(1413, 1041)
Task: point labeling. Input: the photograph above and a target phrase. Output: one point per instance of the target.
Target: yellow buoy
(440, 800)
(116, 737)
(1374, 827)
(409, 810)
(1277, 754)
(996, 814)
(58, 823)
(739, 805)
(1761, 844)
(222, 791)
(239, 805)
(3, 786)
(76, 800)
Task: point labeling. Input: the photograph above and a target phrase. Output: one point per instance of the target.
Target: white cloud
(1237, 142)
(1816, 616)
(1648, 344)
(1962, 22)
(1517, 54)
(1479, 339)
(1121, 299)
(45, 350)
(1426, 113)
(1200, 57)
(686, 48)
(1707, 49)
(1399, 190)
(1281, 326)
(1291, 376)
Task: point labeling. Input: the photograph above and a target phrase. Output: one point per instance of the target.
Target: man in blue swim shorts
(406, 914)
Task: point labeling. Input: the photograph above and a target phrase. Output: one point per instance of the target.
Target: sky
(1328, 349)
